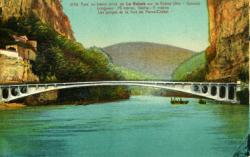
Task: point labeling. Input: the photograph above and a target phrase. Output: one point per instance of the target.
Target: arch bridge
(225, 92)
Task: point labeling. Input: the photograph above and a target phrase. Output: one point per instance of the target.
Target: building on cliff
(9, 53)
(23, 49)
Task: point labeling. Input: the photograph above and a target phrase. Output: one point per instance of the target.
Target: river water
(143, 126)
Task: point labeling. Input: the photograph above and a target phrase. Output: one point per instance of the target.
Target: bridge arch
(231, 93)
(222, 92)
(213, 90)
(23, 90)
(5, 93)
(204, 89)
(14, 91)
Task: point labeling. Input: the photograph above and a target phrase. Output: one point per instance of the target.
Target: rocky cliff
(15, 71)
(18, 71)
(48, 11)
(227, 55)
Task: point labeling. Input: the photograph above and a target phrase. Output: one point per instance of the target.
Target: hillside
(192, 69)
(150, 58)
(60, 59)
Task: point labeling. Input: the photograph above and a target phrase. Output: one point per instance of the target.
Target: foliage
(243, 96)
(197, 75)
(193, 69)
(244, 74)
(62, 60)
(129, 74)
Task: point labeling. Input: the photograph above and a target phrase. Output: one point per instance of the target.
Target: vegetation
(193, 69)
(63, 60)
(244, 74)
(133, 75)
(244, 96)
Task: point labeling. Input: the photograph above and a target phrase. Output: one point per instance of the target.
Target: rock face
(48, 11)
(228, 54)
(15, 71)
(42, 99)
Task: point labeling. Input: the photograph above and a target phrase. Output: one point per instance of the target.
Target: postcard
(124, 78)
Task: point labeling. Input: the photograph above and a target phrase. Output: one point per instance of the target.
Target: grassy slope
(129, 74)
(195, 63)
(133, 75)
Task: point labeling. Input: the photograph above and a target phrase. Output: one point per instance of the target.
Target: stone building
(24, 51)
(25, 48)
(9, 53)
(24, 39)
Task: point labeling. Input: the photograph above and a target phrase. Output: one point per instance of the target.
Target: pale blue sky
(185, 26)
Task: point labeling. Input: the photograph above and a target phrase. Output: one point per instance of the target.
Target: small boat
(178, 101)
(201, 101)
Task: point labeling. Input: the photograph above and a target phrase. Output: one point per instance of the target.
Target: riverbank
(11, 106)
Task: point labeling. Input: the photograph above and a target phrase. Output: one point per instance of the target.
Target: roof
(22, 38)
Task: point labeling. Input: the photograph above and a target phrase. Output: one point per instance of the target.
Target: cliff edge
(15, 71)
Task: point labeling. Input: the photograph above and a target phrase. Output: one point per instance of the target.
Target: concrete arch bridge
(225, 92)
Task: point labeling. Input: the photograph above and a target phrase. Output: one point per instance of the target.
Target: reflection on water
(142, 126)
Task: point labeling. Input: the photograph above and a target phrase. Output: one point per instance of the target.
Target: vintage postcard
(124, 78)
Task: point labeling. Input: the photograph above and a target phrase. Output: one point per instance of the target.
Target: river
(143, 126)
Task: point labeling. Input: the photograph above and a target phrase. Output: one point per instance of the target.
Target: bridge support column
(1, 94)
(18, 91)
(235, 94)
(218, 92)
(28, 90)
(9, 93)
(200, 88)
(209, 89)
(227, 92)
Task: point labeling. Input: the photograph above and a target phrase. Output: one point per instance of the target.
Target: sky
(185, 26)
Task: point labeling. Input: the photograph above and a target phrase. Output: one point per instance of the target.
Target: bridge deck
(212, 90)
